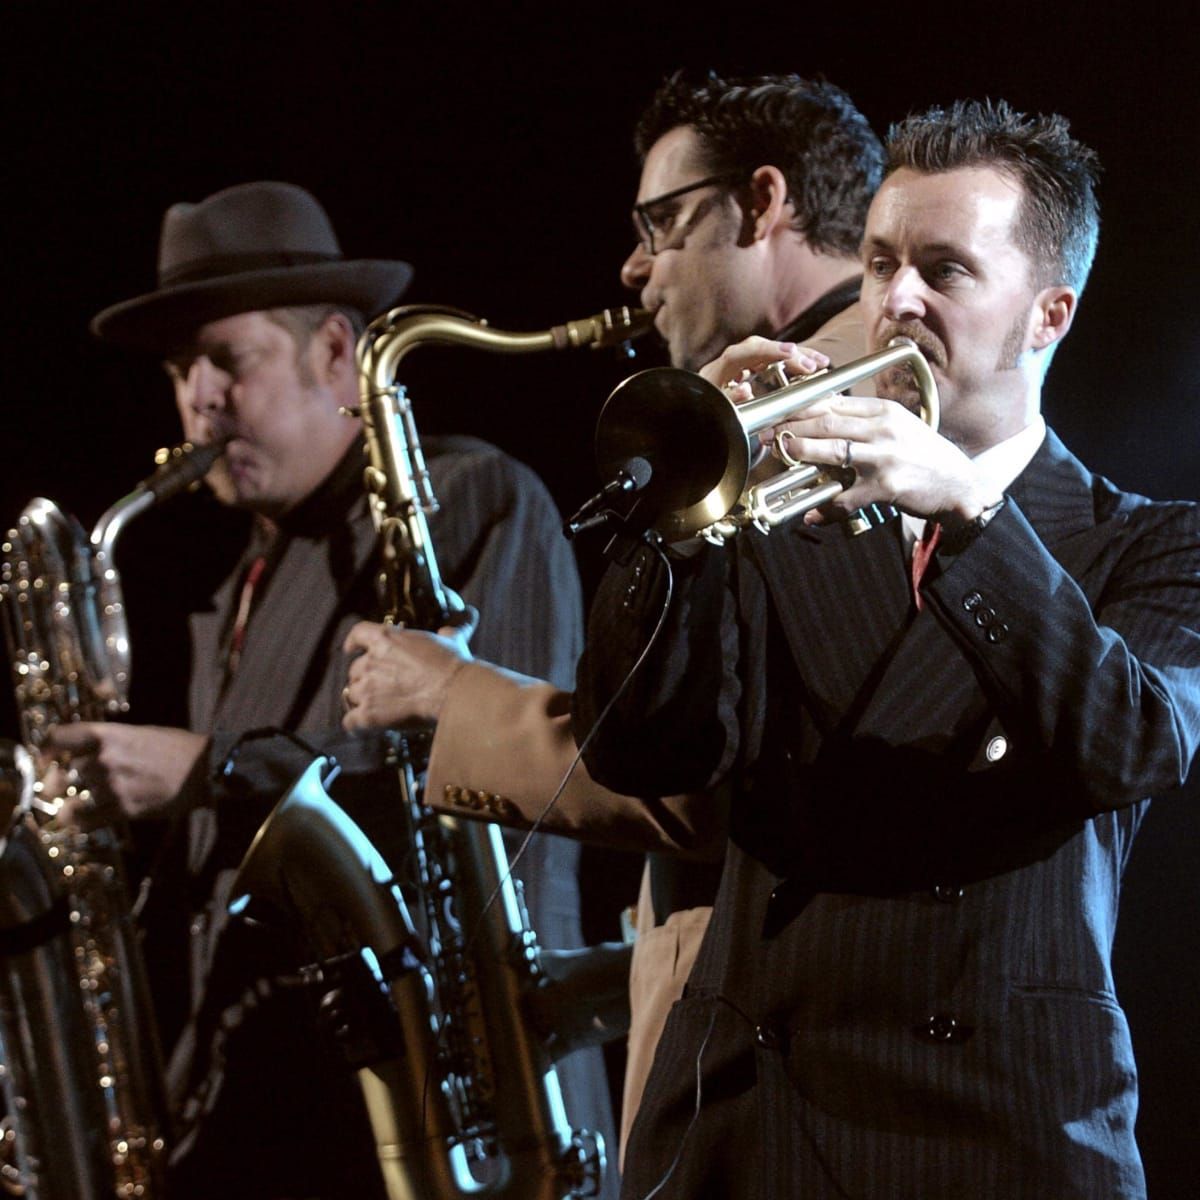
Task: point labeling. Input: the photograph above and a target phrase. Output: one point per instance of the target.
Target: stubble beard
(718, 303)
(1013, 346)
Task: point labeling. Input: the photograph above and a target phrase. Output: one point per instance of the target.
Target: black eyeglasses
(647, 226)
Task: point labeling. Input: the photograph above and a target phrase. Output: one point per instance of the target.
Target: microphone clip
(631, 477)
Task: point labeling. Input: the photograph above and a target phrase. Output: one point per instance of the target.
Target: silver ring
(846, 462)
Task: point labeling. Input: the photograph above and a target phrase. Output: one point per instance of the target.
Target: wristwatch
(956, 538)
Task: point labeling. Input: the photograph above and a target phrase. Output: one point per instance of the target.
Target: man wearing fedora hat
(256, 314)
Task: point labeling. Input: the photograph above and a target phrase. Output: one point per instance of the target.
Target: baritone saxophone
(82, 1077)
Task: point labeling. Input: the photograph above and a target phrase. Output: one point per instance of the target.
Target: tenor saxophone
(458, 1077)
(86, 1112)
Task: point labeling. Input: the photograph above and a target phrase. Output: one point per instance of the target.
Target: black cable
(554, 799)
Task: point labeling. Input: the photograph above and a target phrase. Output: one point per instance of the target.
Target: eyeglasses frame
(643, 222)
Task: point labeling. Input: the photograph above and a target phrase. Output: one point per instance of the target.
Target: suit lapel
(208, 666)
(303, 600)
(1054, 493)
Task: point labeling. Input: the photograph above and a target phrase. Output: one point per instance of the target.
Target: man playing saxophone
(748, 218)
(255, 316)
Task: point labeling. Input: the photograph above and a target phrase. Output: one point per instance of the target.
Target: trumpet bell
(689, 433)
(698, 444)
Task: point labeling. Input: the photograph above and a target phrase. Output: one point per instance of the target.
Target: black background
(492, 149)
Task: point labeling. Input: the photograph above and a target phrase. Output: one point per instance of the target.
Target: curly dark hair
(1059, 221)
(810, 130)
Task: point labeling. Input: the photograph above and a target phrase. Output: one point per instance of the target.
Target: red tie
(922, 553)
(245, 601)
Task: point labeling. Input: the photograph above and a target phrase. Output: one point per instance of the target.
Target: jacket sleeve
(657, 689)
(1103, 683)
(504, 748)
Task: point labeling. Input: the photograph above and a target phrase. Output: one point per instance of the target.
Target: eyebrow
(952, 250)
(931, 248)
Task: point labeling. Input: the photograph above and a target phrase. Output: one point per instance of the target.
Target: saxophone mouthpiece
(609, 327)
(181, 466)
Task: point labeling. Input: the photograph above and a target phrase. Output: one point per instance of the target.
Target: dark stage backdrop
(493, 152)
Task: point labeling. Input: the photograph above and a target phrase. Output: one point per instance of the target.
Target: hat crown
(251, 247)
(252, 226)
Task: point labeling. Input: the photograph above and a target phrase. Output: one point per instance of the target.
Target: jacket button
(997, 748)
(984, 616)
(998, 632)
(943, 1029)
(766, 1037)
(947, 893)
(972, 600)
(500, 806)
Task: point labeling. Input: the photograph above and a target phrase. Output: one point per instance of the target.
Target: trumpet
(698, 445)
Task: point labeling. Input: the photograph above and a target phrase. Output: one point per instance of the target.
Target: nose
(204, 388)
(635, 271)
(904, 297)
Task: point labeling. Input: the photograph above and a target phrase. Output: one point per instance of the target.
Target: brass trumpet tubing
(796, 491)
(698, 444)
(764, 411)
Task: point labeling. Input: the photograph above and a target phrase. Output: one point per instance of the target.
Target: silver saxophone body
(458, 1070)
(86, 1115)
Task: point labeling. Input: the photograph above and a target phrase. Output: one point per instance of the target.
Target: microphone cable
(536, 826)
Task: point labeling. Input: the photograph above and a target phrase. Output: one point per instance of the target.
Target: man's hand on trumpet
(896, 458)
(735, 369)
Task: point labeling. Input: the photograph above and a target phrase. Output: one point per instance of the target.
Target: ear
(768, 201)
(332, 351)
(1053, 312)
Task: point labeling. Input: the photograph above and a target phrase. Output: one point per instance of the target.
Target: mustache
(930, 345)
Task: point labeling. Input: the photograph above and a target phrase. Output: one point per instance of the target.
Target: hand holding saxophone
(399, 676)
(142, 768)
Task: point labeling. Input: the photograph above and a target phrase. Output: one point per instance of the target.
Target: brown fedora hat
(253, 246)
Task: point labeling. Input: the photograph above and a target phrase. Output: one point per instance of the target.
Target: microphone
(632, 476)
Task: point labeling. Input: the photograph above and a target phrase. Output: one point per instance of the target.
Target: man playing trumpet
(939, 736)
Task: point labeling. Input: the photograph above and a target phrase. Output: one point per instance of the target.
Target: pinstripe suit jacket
(499, 545)
(905, 990)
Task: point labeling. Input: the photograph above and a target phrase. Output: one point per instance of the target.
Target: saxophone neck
(396, 478)
(390, 337)
(178, 468)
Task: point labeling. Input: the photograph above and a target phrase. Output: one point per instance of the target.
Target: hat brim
(162, 321)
